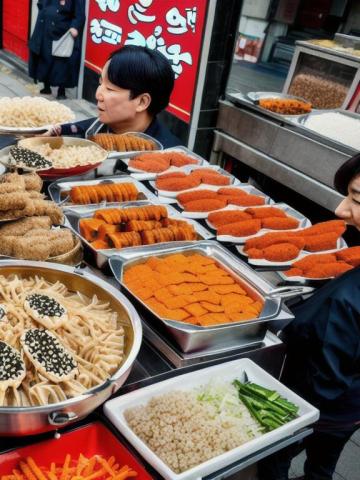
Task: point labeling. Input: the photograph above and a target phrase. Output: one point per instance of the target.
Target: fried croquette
(50, 209)
(212, 179)
(232, 191)
(61, 241)
(272, 238)
(150, 162)
(176, 184)
(26, 248)
(244, 200)
(240, 229)
(255, 253)
(266, 212)
(312, 260)
(294, 272)
(325, 270)
(331, 226)
(227, 216)
(12, 201)
(349, 255)
(14, 178)
(10, 188)
(33, 181)
(24, 225)
(7, 245)
(281, 252)
(196, 195)
(205, 205)
(324, 241)
(278, 223)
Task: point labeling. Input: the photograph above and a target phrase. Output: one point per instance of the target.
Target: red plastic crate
(92, 439)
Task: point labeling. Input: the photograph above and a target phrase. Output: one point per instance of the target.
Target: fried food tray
(58, 190)
(100, 258)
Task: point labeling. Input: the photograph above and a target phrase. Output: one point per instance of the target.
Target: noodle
(92, 334)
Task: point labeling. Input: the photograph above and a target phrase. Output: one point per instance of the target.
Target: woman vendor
(323, 360)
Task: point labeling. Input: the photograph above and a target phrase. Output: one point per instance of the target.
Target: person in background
(55, 18)
(323, 356)
(134, 87)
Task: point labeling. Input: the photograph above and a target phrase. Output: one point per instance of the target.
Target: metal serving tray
(301, 125)
(191, 338)
(141, 175)
(114, 155)
(57, 189)
(101, 257)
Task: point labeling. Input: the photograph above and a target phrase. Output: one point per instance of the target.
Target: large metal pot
(33, 420)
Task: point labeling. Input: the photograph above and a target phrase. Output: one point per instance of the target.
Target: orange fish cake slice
(224, 289)
(163, 294)
(235, 297)
(195, 309)
(212, 307)
(177, 302)
(210, 279)
(207, 297)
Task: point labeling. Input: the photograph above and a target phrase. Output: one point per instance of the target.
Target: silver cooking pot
(33, 420)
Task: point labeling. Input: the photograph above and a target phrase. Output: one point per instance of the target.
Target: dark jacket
(323, 363)
(156, 130)
(55, 19)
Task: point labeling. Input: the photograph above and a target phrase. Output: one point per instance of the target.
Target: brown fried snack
(24, 225)
(12, 201)
(10, 188)
(265, 212)
(27, 249)
(281, 252)
(33, 181)
(46, 207)
(7, 244)
(13, 178)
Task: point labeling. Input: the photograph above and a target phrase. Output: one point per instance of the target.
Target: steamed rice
(183, 429)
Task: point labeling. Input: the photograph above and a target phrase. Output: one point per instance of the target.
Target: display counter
(281, 149)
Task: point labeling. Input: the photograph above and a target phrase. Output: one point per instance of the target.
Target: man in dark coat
(55, 18)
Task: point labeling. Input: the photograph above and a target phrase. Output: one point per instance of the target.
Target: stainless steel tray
(101, 257)
(256, 96)
(57, 189)
(139, 175)
(301, 125)
(191, 338)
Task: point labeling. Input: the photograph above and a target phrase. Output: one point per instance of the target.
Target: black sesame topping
(11, 365)
(45, 306)
(28, 158)
(46, 349)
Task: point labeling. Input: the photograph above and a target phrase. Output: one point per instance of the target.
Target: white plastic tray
(229, 371)
(261, 262)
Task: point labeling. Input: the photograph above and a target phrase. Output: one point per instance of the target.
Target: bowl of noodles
(97, 335)
(69, 155)
(31, 114)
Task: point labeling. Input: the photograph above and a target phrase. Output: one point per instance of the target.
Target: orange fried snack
(272, 238)
(324, 241)
(205, 205)
(176, 184)
(294, 272)
(325, 270)
(240, 229)
(111, 192)
(266, 212)
(138, 225)
(285, 106)
(124, 239)
(122, 142)
(89, 228)
(213, 297)
(255, 253)
(116, 216)
(315, 259)
(245, 200)
(331, 226)
(215, 179)
(349, 255)
(195, 195)
(281, 252)
(232, 191)
(277, 223)
(100, 245)
(227, 216)
(150, 162)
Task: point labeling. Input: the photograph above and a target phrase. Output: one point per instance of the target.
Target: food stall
(155, 302)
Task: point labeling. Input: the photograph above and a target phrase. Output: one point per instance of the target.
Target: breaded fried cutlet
(33, 181)
(10, 188)
(7, 244)
(46, 207)
(27, 249)
(14, 178)
(12, 201)
(34, 194)
(62, 241)
(23, 225)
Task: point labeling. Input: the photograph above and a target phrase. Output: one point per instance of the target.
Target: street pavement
(15, 82)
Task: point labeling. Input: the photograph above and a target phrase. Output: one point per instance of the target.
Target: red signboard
(16, 27)
(174, 28)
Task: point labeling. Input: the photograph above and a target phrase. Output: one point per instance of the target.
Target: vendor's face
(349, 208)
(114, 103)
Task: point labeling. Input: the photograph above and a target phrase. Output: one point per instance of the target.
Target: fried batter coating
(331, 226)
(240, 229)
(325, 241)
(27, 249)
(312, 260)
(277, 223)
(227, 216)
(206, 205)
(349, 255)
(255, 253)
(326, 270)
(12, 201)
(245, 200)
(195, 195)
(150, 162)
(7, 245)
(272, 238)
(14, 178)
(177, 184)
(266, 212)
(294, 272)
(232, 191)
(46, 207)
(10, 188)
(281, 252)
(33, 181)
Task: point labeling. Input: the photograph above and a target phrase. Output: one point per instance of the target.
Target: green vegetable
(266, 406)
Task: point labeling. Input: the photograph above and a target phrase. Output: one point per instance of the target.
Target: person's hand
(74, 32)
(54, 131)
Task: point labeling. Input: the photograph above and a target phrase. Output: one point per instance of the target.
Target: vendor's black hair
(142, 70)
(349, 170)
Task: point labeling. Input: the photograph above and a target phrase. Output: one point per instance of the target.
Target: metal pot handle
(289, 292)
(59, 419)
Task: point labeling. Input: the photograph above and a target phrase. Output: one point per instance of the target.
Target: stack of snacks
(285, 106)
(122, 142)
(159, 162)
(192, 289)
(130, 227)
(111, 192)
(177, 181)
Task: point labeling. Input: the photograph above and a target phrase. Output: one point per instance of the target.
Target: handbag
(64, 46)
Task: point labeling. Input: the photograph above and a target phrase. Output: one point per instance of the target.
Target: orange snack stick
(271, 238)
(35, 469)
(314, 259)
(240, 229)
(266, 212)
(227, 216)
(277, 223)
(349, 255)
(335, 226)
(281, 252)
(232, 191)
(326, 270)
(28, 474)
(294, 272)
(255, 253)
(325, 241)
(195, 195)
(205, 205)
(245, 200)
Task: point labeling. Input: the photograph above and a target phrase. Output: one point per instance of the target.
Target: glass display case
(326, 72)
